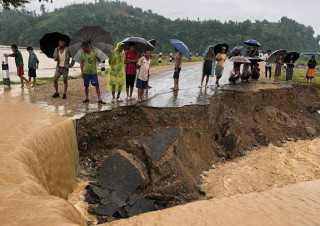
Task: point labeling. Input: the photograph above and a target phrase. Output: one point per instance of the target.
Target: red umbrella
(240, 59)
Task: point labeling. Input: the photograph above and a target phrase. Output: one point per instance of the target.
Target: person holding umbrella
(116, 80)
(220, 58)
(131, 59)
(208, 65)
(311, 68)
(62, 56)
(88, 66)
(279, 64)
(177, 69)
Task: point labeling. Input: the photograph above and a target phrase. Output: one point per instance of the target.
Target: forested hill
(123, 20)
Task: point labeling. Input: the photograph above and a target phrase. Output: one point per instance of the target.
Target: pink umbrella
(240, 59)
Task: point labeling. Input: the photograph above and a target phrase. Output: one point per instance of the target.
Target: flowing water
(38, 165)
(271, 186)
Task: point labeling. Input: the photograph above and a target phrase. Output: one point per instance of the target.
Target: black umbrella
(236, 50)
(255, 59)
(49, 42)
(97, 37)
(140, 43)
(296, 56)
(153, 42)
(275, 55)
(217, 48)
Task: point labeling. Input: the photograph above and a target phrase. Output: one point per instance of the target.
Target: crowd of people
(129, 69)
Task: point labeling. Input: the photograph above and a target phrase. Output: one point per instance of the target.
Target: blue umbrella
(181, 47)
(252, 42)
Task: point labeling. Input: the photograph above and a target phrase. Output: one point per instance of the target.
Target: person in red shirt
(131, 59)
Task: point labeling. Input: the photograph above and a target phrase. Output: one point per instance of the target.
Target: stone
(314, 108)
(311, 131)
(229, 142)
(97, 192)
(119, 174)
(157, 145)
(141, 206)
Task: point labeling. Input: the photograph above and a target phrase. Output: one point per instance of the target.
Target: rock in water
(119, 174)
(157, 145)
(311, 131)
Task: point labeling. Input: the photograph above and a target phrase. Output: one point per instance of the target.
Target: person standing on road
(88, 66)
(116, 80)
(279, 64)
(131, 58)
(208, 65)
(63, 57)
(268, 67)
(311, 69)
(177, 69)
(290, 68)
(19, 63)
(33, 64)
(220, 58)
(143, 75)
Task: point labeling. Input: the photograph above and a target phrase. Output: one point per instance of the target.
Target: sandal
(86, 101)
(128, 98)
(113, 101)
(132, 98)
(120, 100)
(139, 101)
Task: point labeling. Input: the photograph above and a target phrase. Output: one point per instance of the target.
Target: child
(33, 65)
(235, 74)
(19, 63)
(246, 73)
(255, 72)
(143, 74)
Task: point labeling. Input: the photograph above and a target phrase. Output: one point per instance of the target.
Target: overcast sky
(305, 11)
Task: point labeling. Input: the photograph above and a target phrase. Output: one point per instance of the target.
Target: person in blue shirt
(33, 65)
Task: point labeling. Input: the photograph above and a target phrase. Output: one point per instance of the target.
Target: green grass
(299, 76)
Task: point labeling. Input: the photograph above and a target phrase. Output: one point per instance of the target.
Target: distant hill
(123, 20)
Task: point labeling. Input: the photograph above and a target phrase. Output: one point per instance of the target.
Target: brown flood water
(38, 165)
(271, 186)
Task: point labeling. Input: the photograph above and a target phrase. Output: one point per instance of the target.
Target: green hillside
(122, 20)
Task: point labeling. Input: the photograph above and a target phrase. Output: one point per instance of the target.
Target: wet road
(159, 96)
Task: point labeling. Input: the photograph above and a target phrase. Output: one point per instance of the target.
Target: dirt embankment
(234, 122)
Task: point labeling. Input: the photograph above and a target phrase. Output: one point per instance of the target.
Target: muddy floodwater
(264, 180)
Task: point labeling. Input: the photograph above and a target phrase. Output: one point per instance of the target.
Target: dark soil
(234, 122)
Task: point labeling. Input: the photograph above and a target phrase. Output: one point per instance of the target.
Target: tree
(7, 4)
(43, 9)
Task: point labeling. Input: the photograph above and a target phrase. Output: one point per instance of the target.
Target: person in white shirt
(268, 65)
(143, 74)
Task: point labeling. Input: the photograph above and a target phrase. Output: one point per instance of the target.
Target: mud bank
(233, 124)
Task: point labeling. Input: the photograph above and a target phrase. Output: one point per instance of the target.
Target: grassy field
(299, 76)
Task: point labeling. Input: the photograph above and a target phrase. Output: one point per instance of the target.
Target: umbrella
(252, 42)
(181, 47)
(140, 43)
(236, 50)
(49, 42)
(310, 53)
(97, 37)
(240, 59)
(217, 48)
(296, 56)
(274, 56)
(255, 59)
(153, 42)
